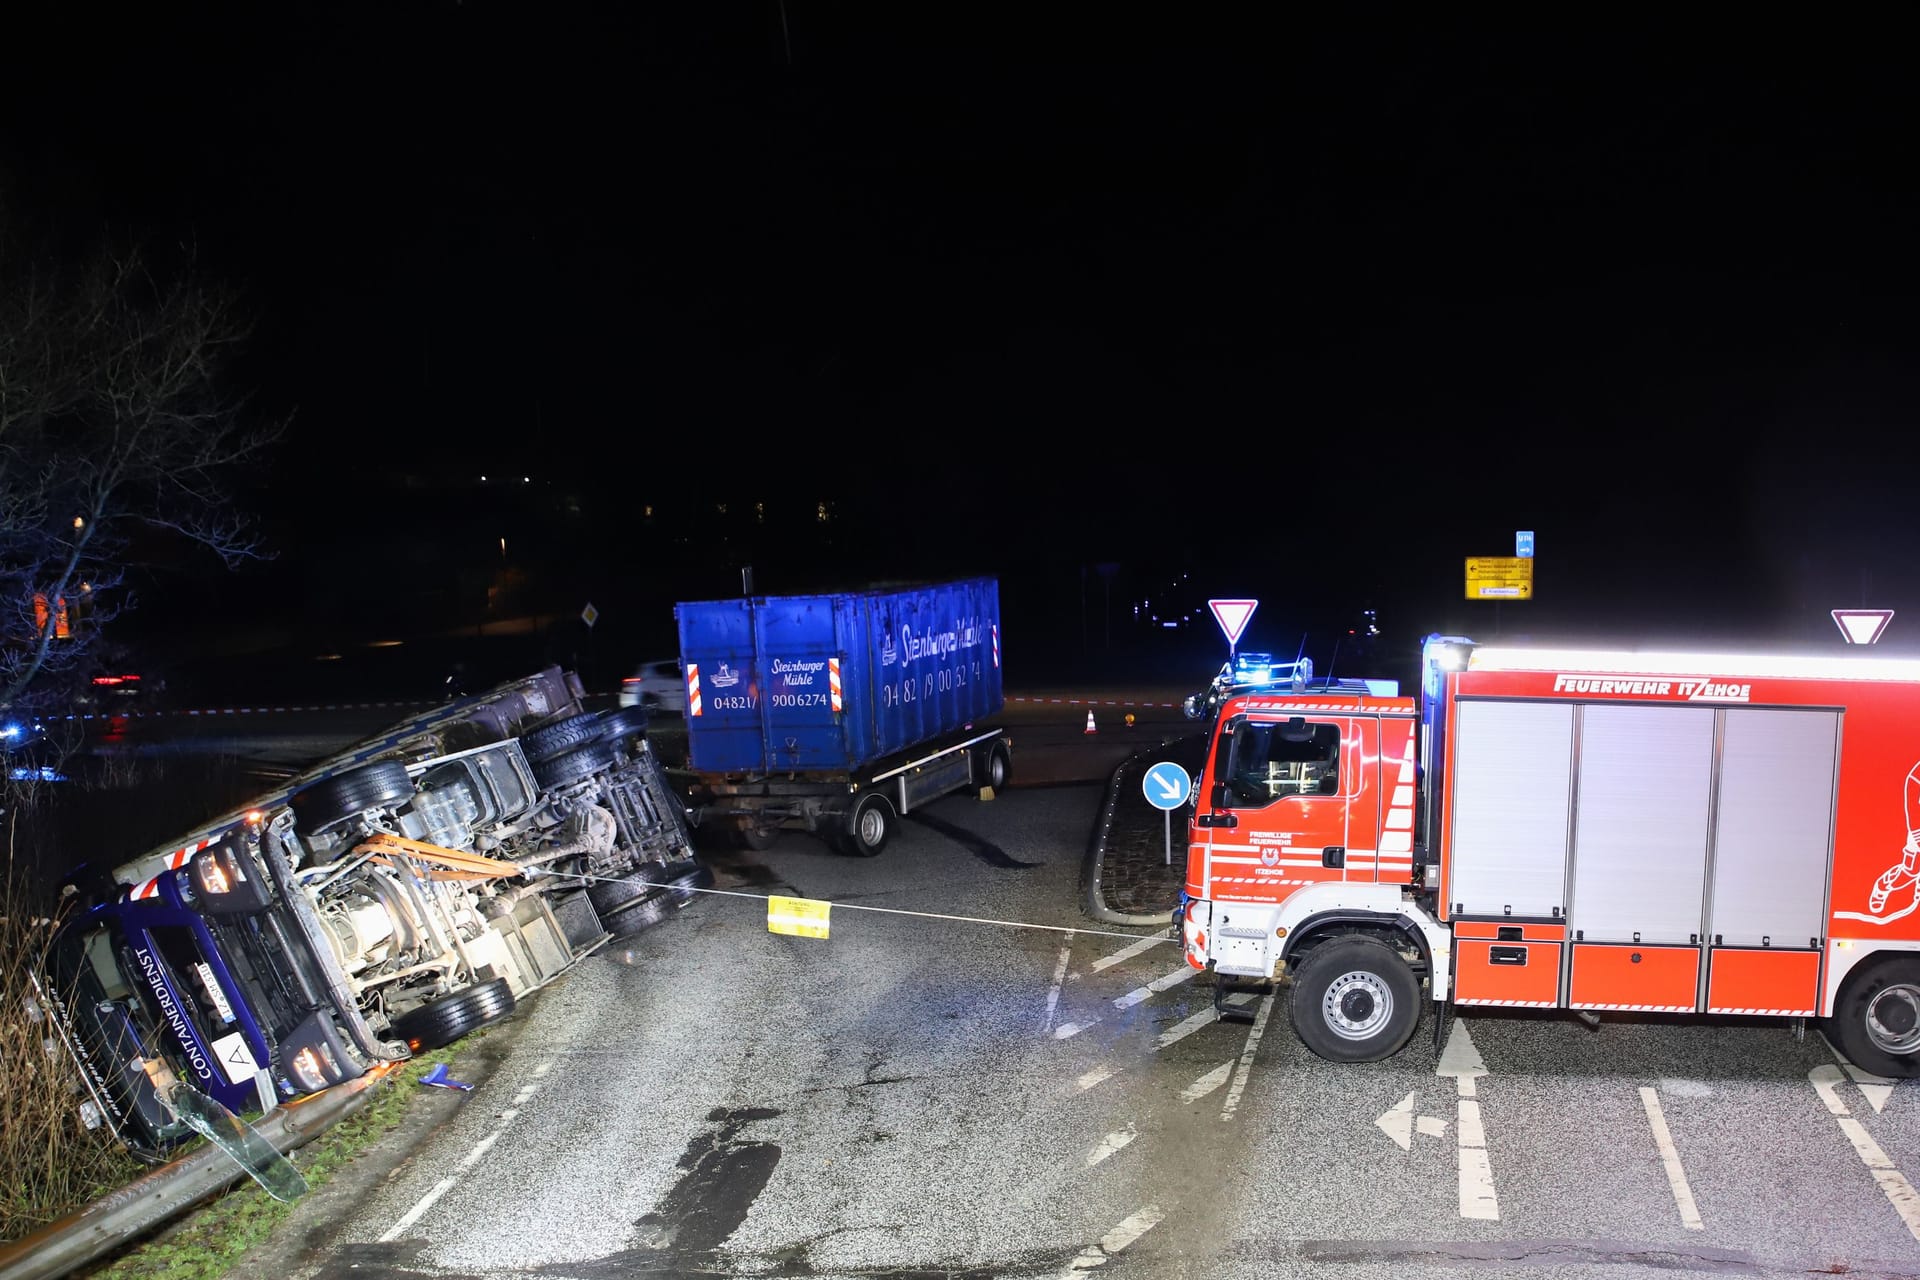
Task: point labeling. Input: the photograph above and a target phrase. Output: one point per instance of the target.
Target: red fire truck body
(1651, 832)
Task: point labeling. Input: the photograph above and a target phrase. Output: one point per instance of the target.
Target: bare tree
(116, 421)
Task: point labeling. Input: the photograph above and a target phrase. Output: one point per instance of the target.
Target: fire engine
(1656, 833)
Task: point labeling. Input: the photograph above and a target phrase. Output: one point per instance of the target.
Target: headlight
(227, 881)
(312, 1057)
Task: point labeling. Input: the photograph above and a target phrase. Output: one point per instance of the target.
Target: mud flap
(1442, 1025)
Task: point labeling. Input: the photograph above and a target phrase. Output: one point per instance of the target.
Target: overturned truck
(383, 903)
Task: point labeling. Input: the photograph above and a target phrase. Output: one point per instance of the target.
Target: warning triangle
(1862, 626)
(1233, 616)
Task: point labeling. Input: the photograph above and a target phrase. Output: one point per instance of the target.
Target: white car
(657, 686)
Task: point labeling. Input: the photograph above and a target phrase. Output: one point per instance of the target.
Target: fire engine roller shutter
(1513, 762)
(1640, 834)
(1774, 828)
(1773, 840)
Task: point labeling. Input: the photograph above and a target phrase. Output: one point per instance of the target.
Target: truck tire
(685, 879)
(1876, 1019)
(995, 767)
(371, 786)
(575, 765)
(608, 896)
(441, 1022)
(1355, 999)
(640, 914)
(621, 723)
(869, 823)
(560, 737)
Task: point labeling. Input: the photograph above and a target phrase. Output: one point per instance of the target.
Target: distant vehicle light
(11, 731)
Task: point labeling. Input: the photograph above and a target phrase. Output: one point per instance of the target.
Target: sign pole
(1168, 815)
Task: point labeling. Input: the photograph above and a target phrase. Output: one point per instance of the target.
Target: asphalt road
(969, 1078)
(986, 1085)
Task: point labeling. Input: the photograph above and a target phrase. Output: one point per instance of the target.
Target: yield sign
(1862, 626)
(1233, 616)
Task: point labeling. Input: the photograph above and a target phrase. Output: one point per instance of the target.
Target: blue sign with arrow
(1167, 785)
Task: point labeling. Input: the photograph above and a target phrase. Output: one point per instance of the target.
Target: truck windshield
(1272, 761)
(117, 1031)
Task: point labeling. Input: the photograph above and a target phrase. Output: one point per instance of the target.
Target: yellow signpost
(1500, 578)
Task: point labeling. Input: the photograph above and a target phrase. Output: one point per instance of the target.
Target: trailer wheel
(371, 786)
(1876, 1020)
(995, 766)
(1355, 1000)
(441, 1022)
(757, 838)
(869, 823)
(575, 765)
(562, 736)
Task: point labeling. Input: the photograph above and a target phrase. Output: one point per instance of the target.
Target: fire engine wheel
(575, 765)
(995, 767)
(441, 1022)
(562, 736)
(371, 786)
(1876, 1020)
(1355, 1000)
(622, 723)
(869, 823)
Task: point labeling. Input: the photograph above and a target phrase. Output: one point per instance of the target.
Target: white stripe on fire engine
(1792, 1013)
(1521, 1004)
(1638, 1008)
(1260, 880)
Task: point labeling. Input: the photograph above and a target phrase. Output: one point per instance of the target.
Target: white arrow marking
(1463, 1062)
(1397, 1123)
(1207, 1083)
(1110, 1144)
(1432, 1126)
(1170, 788)
(1899, 1192)
(1876, 1088)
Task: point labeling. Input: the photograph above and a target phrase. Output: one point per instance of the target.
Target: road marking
(1184, 973)
(1207, 1083)
(1670, 1157)
(1875, 1088)
(1059, 978)
(1899, 1192)
(1066, 1029)
(1113, 1242)
(1110, 1144)
(1125, 953)
(1094, 1077)
(1246, 1058)
(1399, 1123)
(1461, 1060)
(472, 1157)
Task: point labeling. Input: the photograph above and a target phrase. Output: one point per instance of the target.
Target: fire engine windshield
(1268, 762)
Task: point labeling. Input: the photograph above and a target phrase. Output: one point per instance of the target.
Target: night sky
(1308, 310)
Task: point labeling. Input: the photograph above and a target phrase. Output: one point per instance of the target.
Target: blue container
(827, 684)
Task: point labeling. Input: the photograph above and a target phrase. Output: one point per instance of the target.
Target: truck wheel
(550, 740)
(574, 765)
(641, 913)
(608, 896)
(995, 767)
(869, 823)
(441, 1022)
(1876, 1020)
(1355, 1000)
(371, 786)
(621, 723)
(684, 879)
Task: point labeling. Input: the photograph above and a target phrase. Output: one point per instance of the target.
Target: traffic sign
(1233, 616)
(1523, 543)
(1167, 785)
(589, 615)
(1862, 626)
(1500, 578)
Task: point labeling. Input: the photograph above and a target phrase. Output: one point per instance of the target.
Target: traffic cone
(1090, 728)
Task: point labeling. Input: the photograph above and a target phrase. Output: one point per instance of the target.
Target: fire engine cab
(1669, 833)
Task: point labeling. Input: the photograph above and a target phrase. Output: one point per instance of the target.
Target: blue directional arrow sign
(1167, 785)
